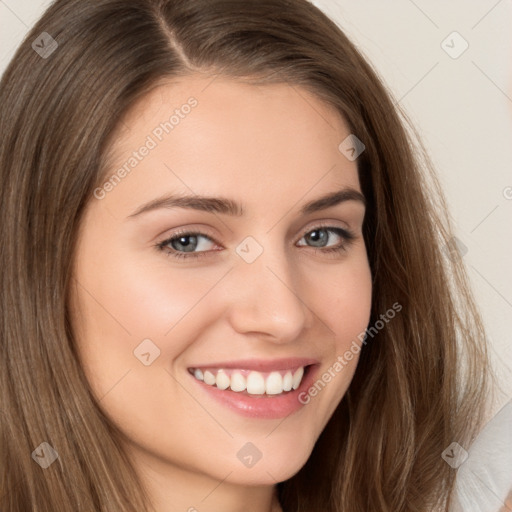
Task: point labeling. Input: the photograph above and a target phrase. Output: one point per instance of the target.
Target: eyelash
(346, 235)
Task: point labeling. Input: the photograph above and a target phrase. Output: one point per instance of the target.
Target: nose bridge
(266, 299)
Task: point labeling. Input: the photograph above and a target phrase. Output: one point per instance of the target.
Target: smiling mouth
(251, 382)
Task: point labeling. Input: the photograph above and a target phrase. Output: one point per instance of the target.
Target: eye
(188, 244)
(320, 235)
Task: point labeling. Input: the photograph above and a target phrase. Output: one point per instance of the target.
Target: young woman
(225, 283)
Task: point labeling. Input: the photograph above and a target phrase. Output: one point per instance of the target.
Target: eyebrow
(230, 207)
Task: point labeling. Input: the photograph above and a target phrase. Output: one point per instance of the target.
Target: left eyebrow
(332, 199)
(230, 207)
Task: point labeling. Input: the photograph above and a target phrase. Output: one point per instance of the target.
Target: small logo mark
(455, 249)
(249, 249)
(351, 147)
(45, 455)
(454, 455)
(146, 352)
(249, 455)
(454, 45)
(45, 45)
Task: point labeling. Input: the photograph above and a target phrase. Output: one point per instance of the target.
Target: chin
(275, 465)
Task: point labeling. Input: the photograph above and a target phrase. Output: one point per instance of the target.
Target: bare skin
(272, 148)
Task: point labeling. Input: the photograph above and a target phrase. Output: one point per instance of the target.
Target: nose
(265, 297)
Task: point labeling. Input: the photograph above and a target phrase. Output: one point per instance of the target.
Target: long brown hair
(421, 382)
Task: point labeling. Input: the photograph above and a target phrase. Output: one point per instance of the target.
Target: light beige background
(462, 108)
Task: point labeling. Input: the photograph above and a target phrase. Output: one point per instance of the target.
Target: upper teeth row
(255, 383)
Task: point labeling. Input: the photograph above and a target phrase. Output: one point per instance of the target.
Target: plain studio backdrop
(449, 66)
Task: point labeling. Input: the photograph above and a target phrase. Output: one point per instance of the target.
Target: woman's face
(263, 299)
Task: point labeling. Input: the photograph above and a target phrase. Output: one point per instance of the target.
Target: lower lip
(262, 406)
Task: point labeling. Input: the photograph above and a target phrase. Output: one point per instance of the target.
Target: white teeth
(238, 382)
(209, 378)
(297, 377)
(274, 384)
(222, 380)
(287, 381)
(256, 383)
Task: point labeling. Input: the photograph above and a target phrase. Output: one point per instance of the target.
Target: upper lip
(262, 365)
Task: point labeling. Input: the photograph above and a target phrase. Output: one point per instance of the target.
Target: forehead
(235, 98)
(208, 134)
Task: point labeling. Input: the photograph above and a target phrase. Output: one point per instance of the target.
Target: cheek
(342, 299)
(124, 298)
(344, 306)
(121, 301)
(353, 300)
(351, 305)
